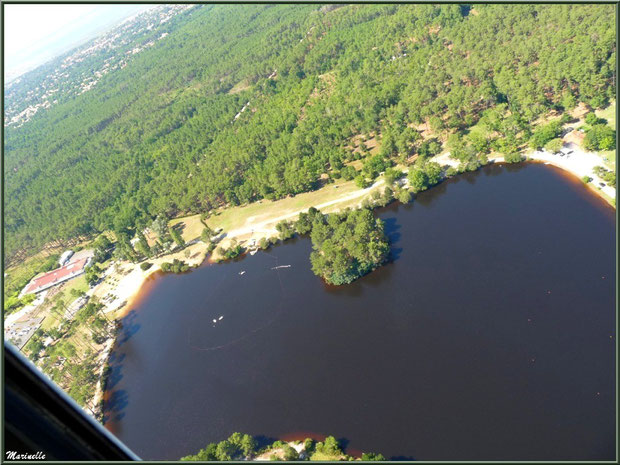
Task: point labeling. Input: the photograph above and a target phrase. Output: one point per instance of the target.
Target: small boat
(222, 316)
(242, 272)
(214, 321)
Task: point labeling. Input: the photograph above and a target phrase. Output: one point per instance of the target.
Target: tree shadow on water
(428, 197)
(114, 375)
(129, 327)
(262, 440)
(493, 169)
(391, 231)
(115, 357)
(344, 443)
(114, 405)
(514, 167)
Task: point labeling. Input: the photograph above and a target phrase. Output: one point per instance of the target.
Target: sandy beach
(579, 163)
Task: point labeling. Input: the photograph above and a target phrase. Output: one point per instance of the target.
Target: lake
(489, 336)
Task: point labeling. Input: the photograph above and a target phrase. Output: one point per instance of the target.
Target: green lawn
(78, 283)
(609, 114)
(50, 321)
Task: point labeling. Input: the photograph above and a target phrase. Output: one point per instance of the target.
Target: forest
(347, 245)
(245, 447)
(246, 102)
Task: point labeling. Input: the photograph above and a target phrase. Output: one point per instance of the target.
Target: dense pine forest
(234, 103)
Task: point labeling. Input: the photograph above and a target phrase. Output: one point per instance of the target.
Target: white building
(64, 258)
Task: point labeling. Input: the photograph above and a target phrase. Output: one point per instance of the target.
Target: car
(602, 184)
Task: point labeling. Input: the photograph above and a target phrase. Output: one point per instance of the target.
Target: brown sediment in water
(590, 193)
(145, 288)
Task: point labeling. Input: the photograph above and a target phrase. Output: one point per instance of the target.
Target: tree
(143, 245)
(347, 246)
(102, 246)
(207, 234)
(513, 157)
(568, 101)
(348, 173)
(176, 266)
(360, 181)
(404, 196)
(544, 134)
(206, 454)
(370, 456)
(225, 450)
(304, 223)
(248, 445)
(93, 274)
(160, 226)
(285, 229)
(329, 446)
(388, 195)
(418, 181)
(373, 166)
(289, 453)
(554, 145)
(391, 175)
(600, 137)
(592, 119)
(176, 237)
(432, 171)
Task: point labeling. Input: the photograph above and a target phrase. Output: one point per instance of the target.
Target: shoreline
(578, 167)
(131, 284)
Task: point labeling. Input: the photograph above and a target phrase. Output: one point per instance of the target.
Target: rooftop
(56, 276)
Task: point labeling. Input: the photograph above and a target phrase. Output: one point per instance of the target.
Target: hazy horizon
(36, 34)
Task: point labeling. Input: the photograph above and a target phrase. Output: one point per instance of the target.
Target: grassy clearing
(78, 283)
(50, 321)
(609, 114)
(240, 87)
(265, 210)
(608, 158)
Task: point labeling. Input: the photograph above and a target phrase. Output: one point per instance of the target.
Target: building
(64, 258)
(76, 266)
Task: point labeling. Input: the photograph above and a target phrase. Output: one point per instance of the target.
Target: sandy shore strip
(579, 163)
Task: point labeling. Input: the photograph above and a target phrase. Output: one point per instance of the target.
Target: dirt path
(268, 226)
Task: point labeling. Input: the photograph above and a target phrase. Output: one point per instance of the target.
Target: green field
(609, 114)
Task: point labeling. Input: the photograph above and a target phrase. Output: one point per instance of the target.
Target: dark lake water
(490, 336)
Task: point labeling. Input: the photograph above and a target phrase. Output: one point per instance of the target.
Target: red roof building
(56, 276)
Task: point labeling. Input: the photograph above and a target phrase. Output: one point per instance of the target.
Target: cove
(489, 336)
